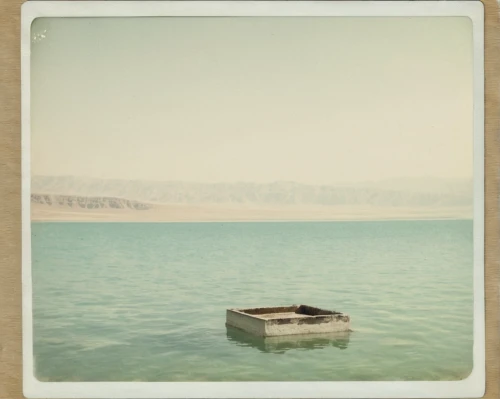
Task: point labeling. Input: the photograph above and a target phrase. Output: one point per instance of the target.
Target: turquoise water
(146, 302)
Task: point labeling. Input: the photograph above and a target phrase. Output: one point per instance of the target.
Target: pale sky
(312, 100)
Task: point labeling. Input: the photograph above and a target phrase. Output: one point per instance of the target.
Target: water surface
(146, 301)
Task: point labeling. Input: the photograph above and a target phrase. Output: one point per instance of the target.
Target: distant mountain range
(411, 192)
(84, 202)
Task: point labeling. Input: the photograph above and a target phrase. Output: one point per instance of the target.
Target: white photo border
(471, 387)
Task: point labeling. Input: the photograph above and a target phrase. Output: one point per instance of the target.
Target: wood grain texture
(10, 197)
(10, 200)
(492, 168)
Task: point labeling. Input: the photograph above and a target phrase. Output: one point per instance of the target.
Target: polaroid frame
(471, 387)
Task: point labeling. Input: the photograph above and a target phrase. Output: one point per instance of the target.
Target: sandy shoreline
(183, 213)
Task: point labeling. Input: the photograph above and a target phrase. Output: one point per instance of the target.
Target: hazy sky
(252, 99)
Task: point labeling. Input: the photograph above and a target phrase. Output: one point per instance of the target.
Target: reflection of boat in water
(281, 344)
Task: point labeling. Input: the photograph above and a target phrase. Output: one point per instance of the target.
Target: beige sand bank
(185, 213)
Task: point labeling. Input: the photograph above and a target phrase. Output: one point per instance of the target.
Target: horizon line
(368, 181)
(423, 219)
